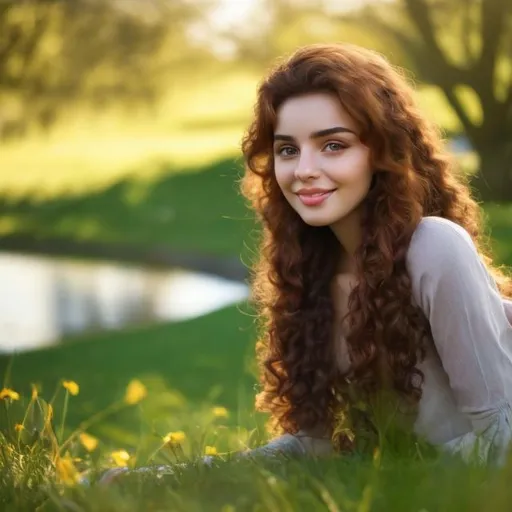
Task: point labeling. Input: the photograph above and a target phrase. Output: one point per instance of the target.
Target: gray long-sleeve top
(466, 398)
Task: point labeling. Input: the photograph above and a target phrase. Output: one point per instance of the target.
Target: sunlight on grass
(46, 169)
(194, 125)
(193, 463)
(89, 152)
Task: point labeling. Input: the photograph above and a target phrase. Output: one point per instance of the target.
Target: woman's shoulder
(430, 228)
(439, 241)
(439, 234)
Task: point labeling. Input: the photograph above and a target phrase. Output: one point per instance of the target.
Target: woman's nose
(306, 168)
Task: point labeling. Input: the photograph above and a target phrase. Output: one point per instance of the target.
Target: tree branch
(407, 44)
(493, 16)
(507, 106)
(508, 98)
(493, 22)
(469, 127)
(440, 71)
(466, 31)
(419, 13)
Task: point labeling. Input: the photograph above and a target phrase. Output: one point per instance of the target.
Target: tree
(54, 53)
(464, 47)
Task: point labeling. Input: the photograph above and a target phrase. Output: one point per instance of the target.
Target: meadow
(174, 392)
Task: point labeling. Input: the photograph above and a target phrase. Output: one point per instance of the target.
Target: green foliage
(57, 54)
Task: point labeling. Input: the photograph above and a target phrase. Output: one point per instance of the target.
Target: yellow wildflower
(89, 442)
(175, 437)
(71, 386)
(120, 458)
(34, 392)
(135, 392)
(220, 412)
(66, 470)
(9, 393)
(210, 450)
(18, 427)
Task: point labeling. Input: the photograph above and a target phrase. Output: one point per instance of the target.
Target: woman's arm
(311, 443)
(507, 304)
(471, 332)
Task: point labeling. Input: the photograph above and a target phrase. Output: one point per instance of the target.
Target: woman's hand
(111, 475)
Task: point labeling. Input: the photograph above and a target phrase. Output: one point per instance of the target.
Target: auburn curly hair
(292, 279)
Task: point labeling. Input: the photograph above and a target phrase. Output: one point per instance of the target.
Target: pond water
(44, 299)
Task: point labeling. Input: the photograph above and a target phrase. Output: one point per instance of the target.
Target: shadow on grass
(198, 211)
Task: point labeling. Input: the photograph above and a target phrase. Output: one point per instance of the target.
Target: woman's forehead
(307, 114)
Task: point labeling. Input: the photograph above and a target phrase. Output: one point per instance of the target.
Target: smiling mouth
(316, 198)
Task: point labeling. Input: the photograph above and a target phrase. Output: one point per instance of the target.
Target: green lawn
(189, 368)
(200, 210)
(499, 222)
(186, 366)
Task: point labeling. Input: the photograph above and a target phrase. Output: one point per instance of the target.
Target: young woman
(373, 280)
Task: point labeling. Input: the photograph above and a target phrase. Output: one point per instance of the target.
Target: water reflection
(43, 299)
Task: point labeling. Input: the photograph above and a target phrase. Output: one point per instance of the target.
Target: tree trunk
(493, 182)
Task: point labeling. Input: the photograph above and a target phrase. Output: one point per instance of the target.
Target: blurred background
(124, 242)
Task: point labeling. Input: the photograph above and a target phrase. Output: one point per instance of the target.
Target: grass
(186, 364)
(42, 471)
(200, 210)
(499, 222)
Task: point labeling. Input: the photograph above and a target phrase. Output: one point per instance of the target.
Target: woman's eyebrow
(316, 135)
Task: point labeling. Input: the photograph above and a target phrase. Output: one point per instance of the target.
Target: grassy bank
(199, 390)
(186, 366)
(199, 210)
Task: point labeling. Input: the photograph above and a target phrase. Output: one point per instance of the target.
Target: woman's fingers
(111, 475)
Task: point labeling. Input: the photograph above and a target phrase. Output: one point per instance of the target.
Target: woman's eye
(334, 146)
(286, 151)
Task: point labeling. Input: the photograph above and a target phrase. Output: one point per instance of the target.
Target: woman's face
(321, 166)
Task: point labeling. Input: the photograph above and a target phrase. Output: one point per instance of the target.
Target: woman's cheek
(284, 177)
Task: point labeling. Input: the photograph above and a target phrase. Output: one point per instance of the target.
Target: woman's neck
(349, 234)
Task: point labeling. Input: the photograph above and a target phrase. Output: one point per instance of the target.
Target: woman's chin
(316, 222)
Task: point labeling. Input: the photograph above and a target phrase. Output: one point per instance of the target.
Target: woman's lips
(315, 199)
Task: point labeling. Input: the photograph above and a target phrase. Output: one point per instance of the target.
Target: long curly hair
(292, 281)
